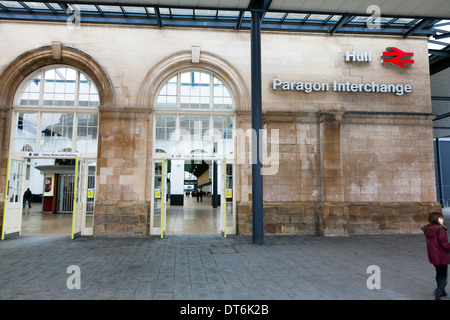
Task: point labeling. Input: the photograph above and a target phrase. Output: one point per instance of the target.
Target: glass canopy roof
(437, 30)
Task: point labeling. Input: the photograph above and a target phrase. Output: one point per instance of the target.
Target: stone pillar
(332, 212)
(121, 208)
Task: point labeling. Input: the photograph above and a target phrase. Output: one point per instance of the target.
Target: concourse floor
(191, 218)
(198, 267)
(38, 223)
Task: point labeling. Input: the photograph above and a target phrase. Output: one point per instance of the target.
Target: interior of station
(192, 211)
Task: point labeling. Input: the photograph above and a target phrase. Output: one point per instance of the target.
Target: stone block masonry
(342, 174)
(122, 209)
(121, 218)
(351, 161)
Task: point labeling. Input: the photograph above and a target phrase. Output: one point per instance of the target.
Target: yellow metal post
(74, 197)
(225, 197)
(6, 197)
(163, 197)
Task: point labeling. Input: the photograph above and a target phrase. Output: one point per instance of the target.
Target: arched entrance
(194, 117)
(53, 120)
(180, 92)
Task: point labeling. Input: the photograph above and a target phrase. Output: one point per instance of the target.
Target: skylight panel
(205, 13)
(403, 21)
(296, 16)
(228, 14)
(318, 17)
(111, 9)
(36, 5)
(274, 15)
(86, 7)
(136, 10)
(183, 12)
(55, 6)
(12, 4)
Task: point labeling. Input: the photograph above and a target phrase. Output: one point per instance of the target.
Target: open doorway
(49, 211)
(189, 208)
(62, 196)
(187, 200)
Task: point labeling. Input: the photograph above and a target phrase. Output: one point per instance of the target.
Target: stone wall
(121, 207)
(340, 174)
(389, 217)
(281, 217)
(349, 163)
(388, 158)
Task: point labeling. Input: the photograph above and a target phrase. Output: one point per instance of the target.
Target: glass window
(224, 125)
(165, 127)
(88, 93)
(222, 98)
(62, 87)
(59, 87)
(167, 98)
(223, 134)
(194, 96)
(194, 90)
(26, 129)
(44, 129)
(194, 130)
(56, 132)
(194, 124)
(30, 93)
(87, 133)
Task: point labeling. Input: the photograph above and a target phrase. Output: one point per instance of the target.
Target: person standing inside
(438, 249)
(27, 197)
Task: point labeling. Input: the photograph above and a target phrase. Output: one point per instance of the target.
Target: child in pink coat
(438, 250)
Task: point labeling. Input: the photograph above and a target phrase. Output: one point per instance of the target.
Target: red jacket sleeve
(442, 239)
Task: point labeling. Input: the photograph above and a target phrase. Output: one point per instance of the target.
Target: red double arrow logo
(395, 56)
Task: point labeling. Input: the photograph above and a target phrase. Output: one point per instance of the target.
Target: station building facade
(352, 136)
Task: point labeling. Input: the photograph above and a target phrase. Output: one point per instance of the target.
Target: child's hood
(430, 230)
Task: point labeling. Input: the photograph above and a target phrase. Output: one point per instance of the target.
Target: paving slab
(209, 267)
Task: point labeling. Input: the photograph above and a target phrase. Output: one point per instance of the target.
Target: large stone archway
(14, 74)
(56, 53)
(206, 61)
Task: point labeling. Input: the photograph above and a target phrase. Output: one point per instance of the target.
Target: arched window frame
(178, 112)
(211, 96)
(42, 92)
(76, 112)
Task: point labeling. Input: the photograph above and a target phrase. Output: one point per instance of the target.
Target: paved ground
(210, 267)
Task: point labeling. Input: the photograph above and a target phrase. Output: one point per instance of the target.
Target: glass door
(88, 221)
(227, 225)
(13, 206)
(79, 198)
(159, 197)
